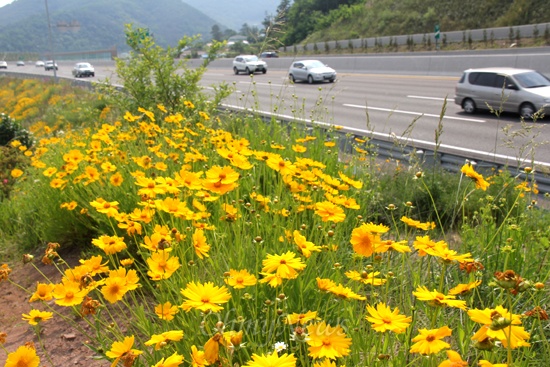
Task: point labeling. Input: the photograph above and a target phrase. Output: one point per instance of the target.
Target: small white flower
(279, 346)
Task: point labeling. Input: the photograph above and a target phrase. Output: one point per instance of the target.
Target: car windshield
(84, 65)
(251, 58)
(532, 79)
(315, 64)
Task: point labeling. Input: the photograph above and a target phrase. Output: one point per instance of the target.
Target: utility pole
(50, 38)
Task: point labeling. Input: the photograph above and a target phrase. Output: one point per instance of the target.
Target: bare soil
(63, 344)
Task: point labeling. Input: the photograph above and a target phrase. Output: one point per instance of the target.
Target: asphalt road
(382, 105)
(377, 105)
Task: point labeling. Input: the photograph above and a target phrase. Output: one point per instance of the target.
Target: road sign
(437, 32)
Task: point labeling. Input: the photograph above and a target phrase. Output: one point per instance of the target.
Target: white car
(39, 64)
(82, 69)
(249, 64)
(3, 65)
(311, 71)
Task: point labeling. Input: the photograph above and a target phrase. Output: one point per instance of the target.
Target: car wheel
(235, 70)
(93, 75)
(527, 110)
(264, 71)
(310, 79)
(469, 106)
(291, 78)
(247, 71)
(331, 80)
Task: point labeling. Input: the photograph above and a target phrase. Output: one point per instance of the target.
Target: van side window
(499, 81)
(482, 79)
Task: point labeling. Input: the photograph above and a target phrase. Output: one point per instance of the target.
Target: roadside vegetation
(223, 239)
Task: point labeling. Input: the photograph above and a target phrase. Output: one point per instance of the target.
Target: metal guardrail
(389, 146)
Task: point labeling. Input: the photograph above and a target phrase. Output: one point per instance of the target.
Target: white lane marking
(432, 98)
(414, 113)
(271, 84)
(392, 137)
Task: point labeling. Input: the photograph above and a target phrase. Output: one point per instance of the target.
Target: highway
(401, 105)
(378, 105)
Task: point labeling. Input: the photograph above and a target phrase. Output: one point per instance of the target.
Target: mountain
(78, 25)
(235, 13)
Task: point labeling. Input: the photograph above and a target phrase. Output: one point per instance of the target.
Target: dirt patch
(64, 345)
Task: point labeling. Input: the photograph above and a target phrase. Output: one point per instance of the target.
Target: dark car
(82, 69)
(268, 55)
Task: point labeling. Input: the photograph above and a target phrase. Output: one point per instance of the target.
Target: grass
(259, 243)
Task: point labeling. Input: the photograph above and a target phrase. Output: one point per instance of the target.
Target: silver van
(517, 90)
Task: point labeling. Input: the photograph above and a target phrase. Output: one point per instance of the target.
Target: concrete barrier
(448, 63)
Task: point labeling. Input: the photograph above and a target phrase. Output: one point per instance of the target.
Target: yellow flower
(501, 325)
(200, 245)
(212, 348)
(383, 319)
(34, 317)
(330, 212)
(166, 311)
(455, 360)
(345, 293)
(116, 179)
(24, 356)
(240, 278)
(434, 298)
(69, 293)
(123, 351)
(198, 358)
(366, 278)
(366, 237)
(173, 361)
(110, 244)
(327, 342)
(286, 265)
(160, 340)
(95, 265)
(301, 318)
(325, 284)
(464, 288)
(204, 297)
(485, 363)
(429, 341)
(305, 246)
(43, 292)
(16, 172)
(162, 265)
(272, 360)
(119, 283)
(469, 171)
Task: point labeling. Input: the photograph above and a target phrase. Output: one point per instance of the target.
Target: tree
(216, 33)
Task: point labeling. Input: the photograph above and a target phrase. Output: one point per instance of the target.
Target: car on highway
(311, 71)
(3, 65)
(249, 64)
(269, 55)
(39, 64)
(521, 91)
(82, 69)
(20, 63)
(50, 65)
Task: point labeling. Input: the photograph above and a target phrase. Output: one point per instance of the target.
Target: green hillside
(324, 20)
(99, 24)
